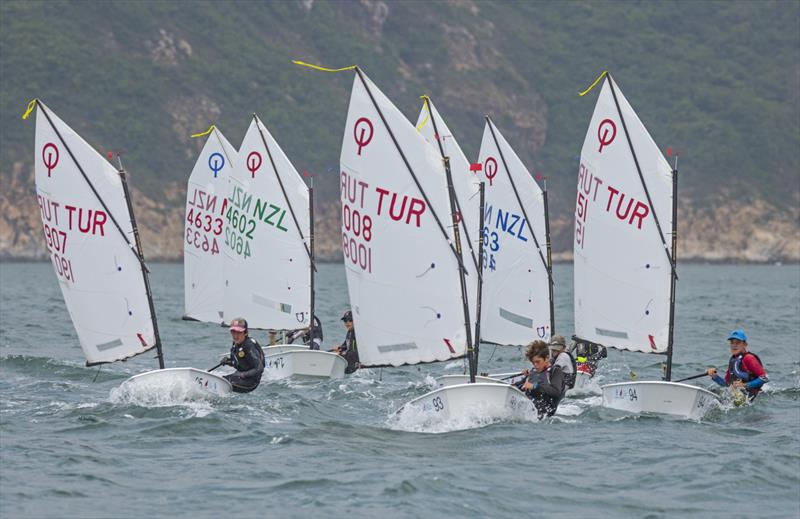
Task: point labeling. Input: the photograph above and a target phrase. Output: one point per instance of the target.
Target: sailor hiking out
(745, 370)
(246, 357)
(545, 384)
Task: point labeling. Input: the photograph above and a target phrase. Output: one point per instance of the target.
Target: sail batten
(624, 195)
(402, 267)
(87, 223)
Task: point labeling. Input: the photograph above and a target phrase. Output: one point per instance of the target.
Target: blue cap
(738, 334)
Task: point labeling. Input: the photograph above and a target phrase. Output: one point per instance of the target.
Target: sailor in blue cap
(745, 370)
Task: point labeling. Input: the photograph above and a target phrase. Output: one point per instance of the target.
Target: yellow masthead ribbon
(210, 129)
(428, 116)
(323, 69)
(601, 76)
(30, 108)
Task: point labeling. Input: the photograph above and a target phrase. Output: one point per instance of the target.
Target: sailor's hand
(526, 372)
(711, 372)
(738, 384)
(527, 386)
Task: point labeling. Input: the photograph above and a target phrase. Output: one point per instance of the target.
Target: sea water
(73, 445)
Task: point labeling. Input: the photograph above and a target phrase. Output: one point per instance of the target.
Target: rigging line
(283, 190)
(463, 222)
(410, 169)
(519, 200)
(641, 178)
(91, 186)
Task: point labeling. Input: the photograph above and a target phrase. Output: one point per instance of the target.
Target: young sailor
(246, 356)
(745, 370)
(563, 359)
(349, 348)
(587, 355)
(311, 338)
(545, 384)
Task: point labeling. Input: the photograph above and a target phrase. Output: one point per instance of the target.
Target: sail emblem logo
(216, 162)
(50, 156)
(606, 126)
(253, 163)
(360, 134)
(490, 168)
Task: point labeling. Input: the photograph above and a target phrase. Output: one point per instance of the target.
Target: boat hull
(303, 363)
(454, 380)
(462, 402)
(190, 382)
(581, 381)
(283, 348)
(668, 398)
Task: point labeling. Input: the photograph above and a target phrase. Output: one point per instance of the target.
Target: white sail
(466, 184)
(96, 263)
(516, 292)
(622, 270)
(402, 274)
(267, 264)
(204, 226)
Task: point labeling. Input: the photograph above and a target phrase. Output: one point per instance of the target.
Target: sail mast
(481, 220)
(549, 259)
(673, 276)
(311, 251)
(145, 277)
(454, 216)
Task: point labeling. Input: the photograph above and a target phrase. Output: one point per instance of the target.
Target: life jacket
(735, 367)
(351, 355)
(569, 378)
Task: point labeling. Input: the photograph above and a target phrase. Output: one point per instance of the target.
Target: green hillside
(717, 80)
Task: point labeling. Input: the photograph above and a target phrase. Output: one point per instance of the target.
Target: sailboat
(204, 280)
(517, 290)
(94, 246)
(403, 256)
(625, 254)
(269, 254)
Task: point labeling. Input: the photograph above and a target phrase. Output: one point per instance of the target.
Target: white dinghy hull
(668, 398)
(303, 363)
(463, 402)
(581, 381)
(283, 348)
(186, 382)
(454, 380)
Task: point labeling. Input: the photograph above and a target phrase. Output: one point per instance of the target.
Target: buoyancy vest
(736, 369)
(569, 378)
